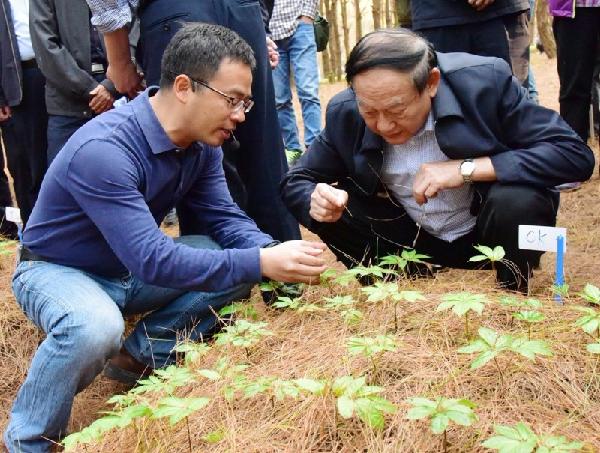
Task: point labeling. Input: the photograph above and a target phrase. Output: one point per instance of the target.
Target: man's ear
(433, 82)
(182, 88)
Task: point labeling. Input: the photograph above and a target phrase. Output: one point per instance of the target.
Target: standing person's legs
(504, 209)
(25, 140)
(303, 56)
(517, 28)
(576, 41)
(83, 326)
(60, 130)
(283, 96)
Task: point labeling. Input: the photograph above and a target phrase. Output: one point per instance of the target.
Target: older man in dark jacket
(435, 152)
(22, 110)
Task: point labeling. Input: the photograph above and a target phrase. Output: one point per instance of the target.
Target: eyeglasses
(236, 105)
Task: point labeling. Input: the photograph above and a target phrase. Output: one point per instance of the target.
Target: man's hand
(435, 176)
(121, 69)
(5, 113)
(273, 53)
(126, 78)
(293, 262)
(327, 203)
(480, 5)
(101, 100)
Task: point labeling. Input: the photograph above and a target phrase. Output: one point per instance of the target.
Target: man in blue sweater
(93, 251)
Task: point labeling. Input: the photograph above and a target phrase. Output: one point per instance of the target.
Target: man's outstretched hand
(293, 262)
(327, 203)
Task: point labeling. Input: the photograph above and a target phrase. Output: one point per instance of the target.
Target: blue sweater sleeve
(105, 181)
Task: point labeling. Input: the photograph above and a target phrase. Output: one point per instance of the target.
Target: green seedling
(372, 347)
(389, 291)
(375, 272)
(164, 380)
(7, 247)
(520, 303)
(111, 420)
(490, 344)
(520, 438)
(214, 437)
(354, 397)
(177, 409)
(192, 351)
(462, 303)
(593, 348)
(345, 306)
(242, 309)
(441, 412)
(400, 263)
(590, 322)
(530, 317)
(561, 290)
(327, 276)
(311, 386)
(487, 253)
(243, 334)
(296, 304)
(591, 293)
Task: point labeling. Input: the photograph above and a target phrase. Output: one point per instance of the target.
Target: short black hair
(394, 48)
(198, 50)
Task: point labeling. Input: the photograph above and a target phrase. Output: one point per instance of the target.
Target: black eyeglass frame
(236, 105)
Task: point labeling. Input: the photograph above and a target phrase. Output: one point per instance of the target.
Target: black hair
(198, 49)
(395, 48)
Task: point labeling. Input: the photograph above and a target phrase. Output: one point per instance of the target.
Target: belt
(27, 255)
(29, 64)
(97, 68)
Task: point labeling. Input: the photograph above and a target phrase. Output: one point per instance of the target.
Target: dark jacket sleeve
(543, 150)
(55, 61)
(323, 161)
(266, 9)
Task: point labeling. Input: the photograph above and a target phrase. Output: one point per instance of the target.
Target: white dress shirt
(20, 16)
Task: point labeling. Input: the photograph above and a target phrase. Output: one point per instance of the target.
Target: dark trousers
(486, 38)
(255, 170)
(60, 129)
(24, 136)
(375, 227)
(576, 44)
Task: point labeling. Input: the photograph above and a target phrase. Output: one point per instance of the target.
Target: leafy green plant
(242, 309)
(520, 438)
(177, 409)
(243, 334)
(164, 380)
(529, 317)
(345, 306)
(520, 303)
(590, 322)
(295, 304)
(462, 303)
(389, 291)
(192, 351)
(591, 293)
(354, 397)
(560, 290)
(374, 272)
(401, 262)
(487, 253)
(490, 344)
(372, 347)
(441, 412)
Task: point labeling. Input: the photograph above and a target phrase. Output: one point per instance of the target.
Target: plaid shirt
(110, 15)
(284, 19)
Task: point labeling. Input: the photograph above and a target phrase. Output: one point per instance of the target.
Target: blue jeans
(298, 52)
(82, 315)
(60, 129)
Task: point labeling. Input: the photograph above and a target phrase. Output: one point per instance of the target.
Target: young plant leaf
(462, 302)
(441, 411)
(512, 439)
(487, 253)
(176, 409)
(591, 293)
(370, 346)
(529, 316)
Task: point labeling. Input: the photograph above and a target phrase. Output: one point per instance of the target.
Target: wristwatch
(467, 167)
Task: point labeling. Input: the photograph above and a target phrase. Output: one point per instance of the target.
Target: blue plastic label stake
(560, 275)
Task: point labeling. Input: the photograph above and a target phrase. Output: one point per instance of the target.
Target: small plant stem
(445, 440)
(374, 366)
(493, 265)
(187, 424)
(247, 352)
(395, 317)
(499, 371)
(467, 325)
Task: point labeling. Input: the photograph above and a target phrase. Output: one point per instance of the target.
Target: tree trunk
(345, 27)
(376, 10)
(389, 21)
(358, 19)
(403, 16)
(327, 72)
(334, 41)
(544, 27)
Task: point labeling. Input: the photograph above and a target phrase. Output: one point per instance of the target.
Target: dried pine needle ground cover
(263, 407)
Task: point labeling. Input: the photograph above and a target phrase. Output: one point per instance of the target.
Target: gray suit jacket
(60, 33)
(11, 85)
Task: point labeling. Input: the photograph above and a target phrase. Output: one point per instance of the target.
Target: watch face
(467, 168)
